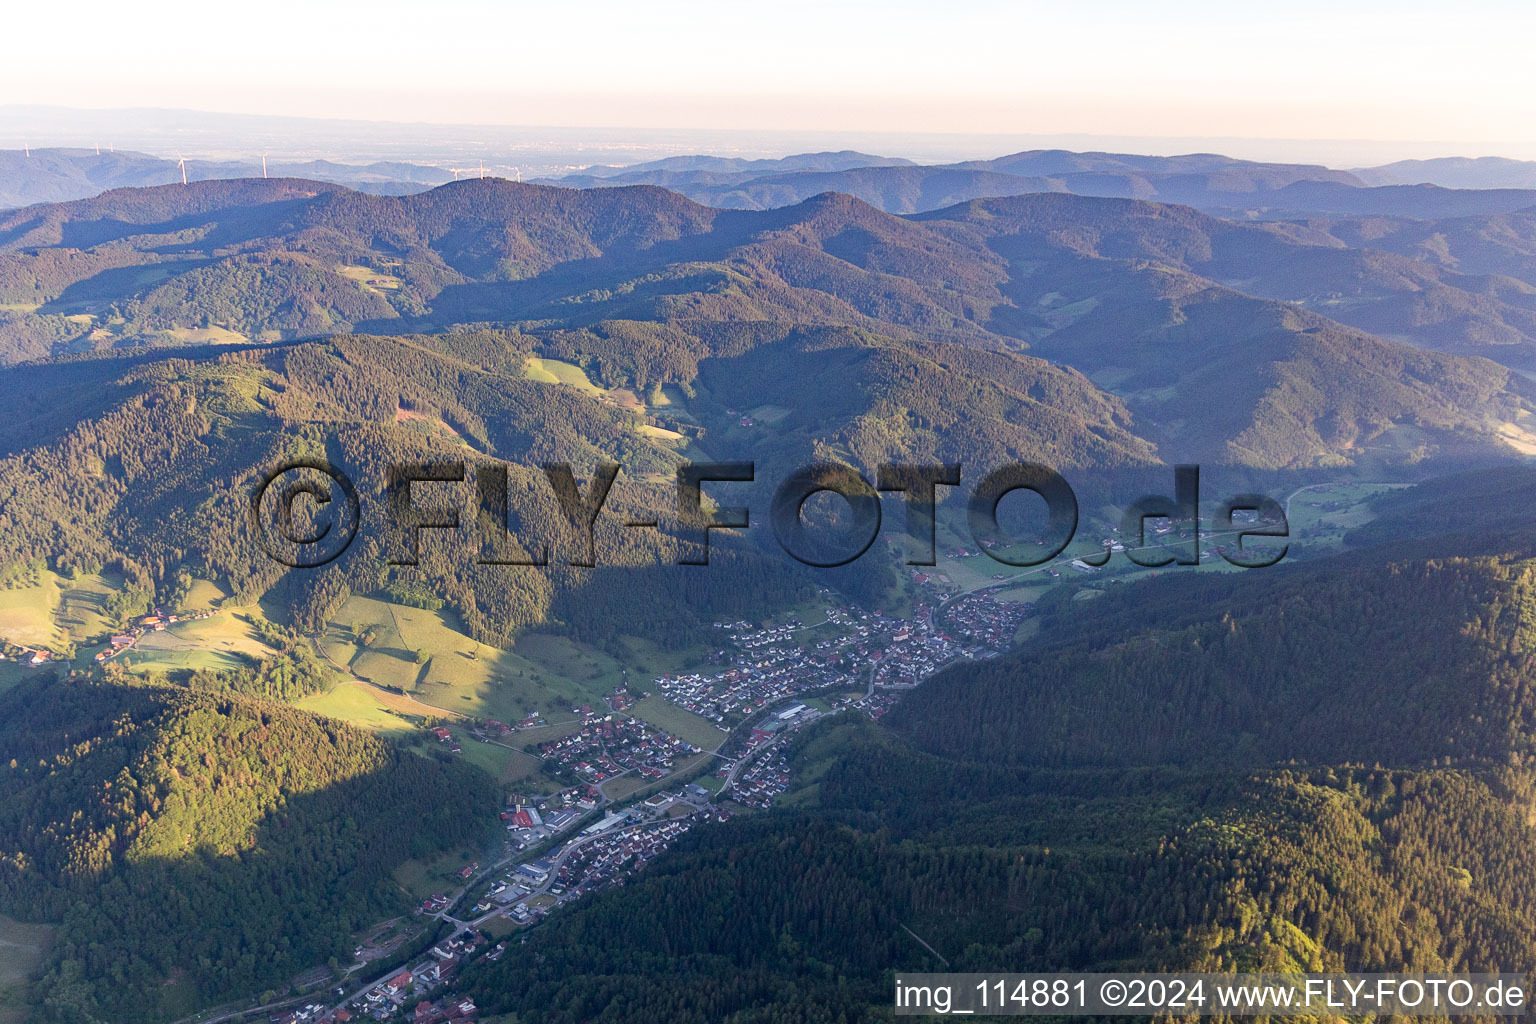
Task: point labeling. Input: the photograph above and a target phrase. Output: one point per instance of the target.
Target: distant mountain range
(1216, 184)
(1210, 182)
(59, 175)
(1454, 172)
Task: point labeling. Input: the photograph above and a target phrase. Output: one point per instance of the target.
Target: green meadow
(22, 948)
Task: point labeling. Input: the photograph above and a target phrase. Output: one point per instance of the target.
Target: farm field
(228, 640)
(491, 758)
(422, 878)
(28, 608)
(370, 707)
(423, 653)
(44, 609)
(82, 611)
(204, 595)
(520, 767)
(371, 280)
(680, 722)
(1324, 514)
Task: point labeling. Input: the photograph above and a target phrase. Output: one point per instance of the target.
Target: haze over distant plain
(1366, 83)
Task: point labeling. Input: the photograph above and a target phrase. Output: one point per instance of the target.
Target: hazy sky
(1461, 73)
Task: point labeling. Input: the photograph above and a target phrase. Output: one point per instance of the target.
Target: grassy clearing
(680, 722)
(673, 399)
(624, 786)
(429, 425)
(232, 631)
(645, 658)
(147, 660)
(225, 641)
(371, 708)
(491, 758)
(1325, 514)
(499, 928)
(12, 673)
(519, 768)
(658, 433)
(202, 336)
(27, 611)
(387, 668)
(625, 398)
(423, 878)
(82, 611)
(769, 413)
(22, 948)
(204, 595)
(375, 281)
(455, 673)
(44, 609)
(558, 371)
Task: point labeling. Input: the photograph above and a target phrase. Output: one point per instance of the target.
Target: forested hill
(152, 468)
(202, 846)
(810, 913)
(641, 286)
(1475, 299)
(1402, 656)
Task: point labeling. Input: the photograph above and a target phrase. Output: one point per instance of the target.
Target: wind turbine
(26, 149)
(482, 170)
(181, 164)
(263, 165)
(519, 172)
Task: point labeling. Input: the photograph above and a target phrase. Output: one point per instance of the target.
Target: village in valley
(763, 684)
(602, 771)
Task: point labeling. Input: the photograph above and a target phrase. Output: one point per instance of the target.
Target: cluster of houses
(878, 703)
(606, 861)
(159, 619)
(154, 622)
(386, 998)
(769, 663)
(981, 621)
(757, 784)
(608, 745)
(490, 729)
(595, 864)
(313, 1012)
(436, 903)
